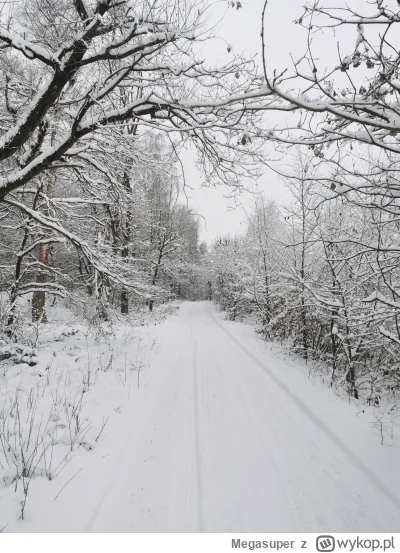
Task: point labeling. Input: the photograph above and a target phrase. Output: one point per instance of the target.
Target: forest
(101, 103)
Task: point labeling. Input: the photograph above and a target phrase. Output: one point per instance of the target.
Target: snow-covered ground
(207, 429)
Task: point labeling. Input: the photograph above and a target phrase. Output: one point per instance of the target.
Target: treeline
(321, 276)
(88, 187)
(114, 236)
(97, 100)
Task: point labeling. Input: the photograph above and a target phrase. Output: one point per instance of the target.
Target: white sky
(242, 29)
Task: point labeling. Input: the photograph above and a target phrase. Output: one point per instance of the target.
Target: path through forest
(233, 438)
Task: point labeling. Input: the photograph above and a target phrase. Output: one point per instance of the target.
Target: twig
(102, 427)
(76, 474)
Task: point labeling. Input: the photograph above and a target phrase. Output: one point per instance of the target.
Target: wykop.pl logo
(325, 544)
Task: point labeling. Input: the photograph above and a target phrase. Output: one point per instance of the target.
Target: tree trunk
(82, 264)
(124, 302)
(124, 292)
(39, 297)
(125, 249)
(18, 267)
(157, 267)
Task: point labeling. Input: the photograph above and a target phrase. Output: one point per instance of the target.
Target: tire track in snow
(257, 424)
(122, 463)
(276, 439)
(239, 478)
(378, 484)
(197, 431)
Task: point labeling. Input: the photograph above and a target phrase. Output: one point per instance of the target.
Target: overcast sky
(241, 29)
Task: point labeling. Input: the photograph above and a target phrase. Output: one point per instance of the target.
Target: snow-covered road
(231, 438)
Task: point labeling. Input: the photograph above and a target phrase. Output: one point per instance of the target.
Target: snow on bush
(52, 412)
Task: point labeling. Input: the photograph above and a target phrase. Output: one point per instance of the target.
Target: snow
(379, 297)
(29, 49)
(360, 35)
(218, 433)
